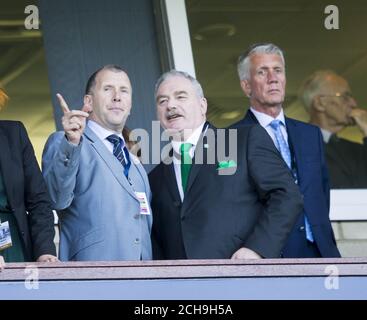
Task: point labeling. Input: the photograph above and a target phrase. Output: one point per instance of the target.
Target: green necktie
(186, 162)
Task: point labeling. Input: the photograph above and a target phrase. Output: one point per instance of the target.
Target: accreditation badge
(5, 237)
(144, 204)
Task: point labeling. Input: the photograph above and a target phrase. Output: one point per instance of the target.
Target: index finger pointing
(62, 102)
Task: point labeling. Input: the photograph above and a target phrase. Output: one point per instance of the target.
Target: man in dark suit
(23, 190)
(206, 206)
(262, 74)
(327, 98)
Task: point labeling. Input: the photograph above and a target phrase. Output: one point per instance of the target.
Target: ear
(88, 103)
(319, 103)
(203, 106)
(246, 87)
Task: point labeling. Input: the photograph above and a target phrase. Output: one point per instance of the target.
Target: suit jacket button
(136, 216)
(302, 228)
(183, 218)
(137, 240)
(177, 203)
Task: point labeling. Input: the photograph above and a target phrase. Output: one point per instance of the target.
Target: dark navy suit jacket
(307, 150)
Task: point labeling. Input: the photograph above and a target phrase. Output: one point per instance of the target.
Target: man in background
(261, 70)
(328, 99)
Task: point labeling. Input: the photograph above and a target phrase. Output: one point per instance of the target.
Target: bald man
(328, 99)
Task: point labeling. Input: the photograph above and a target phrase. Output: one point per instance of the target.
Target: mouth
(173, 116)
(271, 91)
(115, 109)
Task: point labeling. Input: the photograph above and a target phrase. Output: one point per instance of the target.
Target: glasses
(346, 96)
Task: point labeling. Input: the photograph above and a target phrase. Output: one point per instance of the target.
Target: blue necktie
(120, 152)
(283, 148)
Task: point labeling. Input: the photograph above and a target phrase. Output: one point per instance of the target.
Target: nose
(171, 106)
(352, 103)
(272, 76)
(116, 96)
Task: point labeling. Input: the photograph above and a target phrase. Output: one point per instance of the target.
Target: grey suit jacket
(99, 213)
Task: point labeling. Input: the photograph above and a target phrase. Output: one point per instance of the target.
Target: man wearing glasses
(328, 99)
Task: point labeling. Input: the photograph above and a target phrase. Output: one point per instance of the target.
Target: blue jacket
(307, 149)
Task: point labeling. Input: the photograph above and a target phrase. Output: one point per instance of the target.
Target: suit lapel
(136, 162)
(250, 118)
(112, 163)
(170, 177)
(6, 167)
(296, 146)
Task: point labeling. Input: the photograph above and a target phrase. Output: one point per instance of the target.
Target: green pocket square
(226, 164)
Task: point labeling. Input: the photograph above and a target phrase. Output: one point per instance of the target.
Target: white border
(345, 205)
(348, 204)
(180, 36)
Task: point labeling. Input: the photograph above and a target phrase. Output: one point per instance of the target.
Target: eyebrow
(111, 85)
(161, 96)
(180, 92)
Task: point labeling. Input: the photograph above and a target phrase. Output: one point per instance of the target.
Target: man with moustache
(241, 208)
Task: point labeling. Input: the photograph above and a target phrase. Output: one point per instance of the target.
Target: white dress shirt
(103, 133)
(265, 121)
(326, 135)
(193, 139)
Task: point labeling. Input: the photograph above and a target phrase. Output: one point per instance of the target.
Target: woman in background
(24, 201)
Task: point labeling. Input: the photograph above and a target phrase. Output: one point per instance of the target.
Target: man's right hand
(73, 121)
(2, 263)
(360, 118)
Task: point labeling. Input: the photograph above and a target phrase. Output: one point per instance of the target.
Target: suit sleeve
(60, 164)
(277, 191)
(37, 201)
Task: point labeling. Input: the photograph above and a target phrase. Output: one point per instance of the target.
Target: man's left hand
(245, 253)
(47, 258)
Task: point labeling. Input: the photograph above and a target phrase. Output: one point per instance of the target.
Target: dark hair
(92, 79)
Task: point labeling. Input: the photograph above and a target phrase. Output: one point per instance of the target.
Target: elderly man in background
(327, 98)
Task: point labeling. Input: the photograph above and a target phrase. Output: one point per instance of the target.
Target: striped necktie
(120, 152)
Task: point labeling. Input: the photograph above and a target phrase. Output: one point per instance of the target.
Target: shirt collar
(326, 135)
(101, 132)
(193, 139)
(265, 119)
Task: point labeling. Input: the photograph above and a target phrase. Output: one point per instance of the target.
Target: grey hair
(174, 73)
(244, 63)
(313, 86)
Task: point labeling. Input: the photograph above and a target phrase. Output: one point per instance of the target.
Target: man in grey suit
(100, 190)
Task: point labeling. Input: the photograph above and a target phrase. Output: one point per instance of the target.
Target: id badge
(144, 205)
(5, 237)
